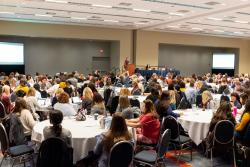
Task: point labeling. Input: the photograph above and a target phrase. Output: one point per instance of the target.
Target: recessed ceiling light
(218, 31)
(237, 32)
(214, 18)
(141, 10)
(56, 1)
(113, 21)
(78, 18)
(43, 15)
(241, 21)
(12, 13)
(101, 6)
(173, 26)
(176, 14)
(196, 28)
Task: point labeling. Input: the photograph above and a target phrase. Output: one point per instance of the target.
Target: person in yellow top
(22, 86)
(244, 121)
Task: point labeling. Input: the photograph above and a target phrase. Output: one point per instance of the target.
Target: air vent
(212, 3)
(79, 4)
(125, 4)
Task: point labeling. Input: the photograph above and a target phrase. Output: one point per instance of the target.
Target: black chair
(153, 157)
(114, 104)
(2, 111)
(107, 93)
(22, 153)
(121, 154)
(199, 100)
(54, 152)
(178, 140)
(134, 102)
(223, 136)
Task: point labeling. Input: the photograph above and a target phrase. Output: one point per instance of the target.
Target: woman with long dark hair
(56, 130)
(224, 112)
(118, 132)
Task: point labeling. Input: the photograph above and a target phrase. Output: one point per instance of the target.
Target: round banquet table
(196, 123)
(83, 134)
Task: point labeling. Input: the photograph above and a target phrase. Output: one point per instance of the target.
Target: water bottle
(234, 111)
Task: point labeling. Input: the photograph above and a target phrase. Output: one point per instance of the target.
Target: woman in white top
(64, 106)
(25, 115)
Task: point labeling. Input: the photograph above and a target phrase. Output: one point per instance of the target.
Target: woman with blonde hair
(148, 124)
(56, 95)
(87, 98)
(207, 100)
(124, 92)
(5, 99)
(136, 90)
(32, 100)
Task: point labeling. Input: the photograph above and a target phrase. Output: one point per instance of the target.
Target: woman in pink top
(148, 124)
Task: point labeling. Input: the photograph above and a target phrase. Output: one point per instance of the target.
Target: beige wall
(148, 46)
(147, 42)
(70, 31)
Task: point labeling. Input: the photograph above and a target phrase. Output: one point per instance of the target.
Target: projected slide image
(223, 60)
(11, 54)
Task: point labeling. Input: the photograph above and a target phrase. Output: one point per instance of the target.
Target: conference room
(124, 83)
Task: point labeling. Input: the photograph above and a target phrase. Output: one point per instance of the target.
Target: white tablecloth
(196, 123)
(83, 134)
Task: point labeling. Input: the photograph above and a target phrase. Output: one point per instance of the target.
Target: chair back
(199, 100)
(3, 138)
(171, 123)
(106, 94)
(164, 142)
(163, 125)
(114, 104)
(55, 152)
(224, 132)
(121, 154)
(2, 110)
(246, 136)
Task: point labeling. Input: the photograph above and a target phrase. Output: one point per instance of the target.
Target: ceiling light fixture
(175, 14)
(43, 15)
(78, 18)
(196, 28)
(12, 13)
(101, 6)
(113, 21)
(141, 10)
(238, 32)
(218, 31)
(214, 18)
(173, 26)
(241, 21)
(56, 1)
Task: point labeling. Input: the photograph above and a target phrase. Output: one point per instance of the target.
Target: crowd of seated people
(20, 94)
